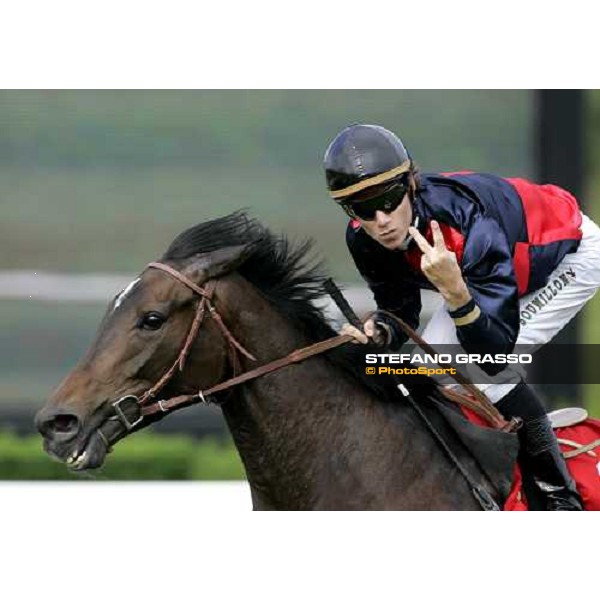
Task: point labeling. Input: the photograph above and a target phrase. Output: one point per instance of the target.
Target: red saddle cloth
(580, 444)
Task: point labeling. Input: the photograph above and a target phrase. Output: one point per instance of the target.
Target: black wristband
(463, 310)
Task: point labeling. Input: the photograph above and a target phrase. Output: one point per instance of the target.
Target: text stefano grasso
(445, 359)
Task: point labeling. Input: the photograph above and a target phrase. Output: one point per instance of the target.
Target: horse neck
(309, 435)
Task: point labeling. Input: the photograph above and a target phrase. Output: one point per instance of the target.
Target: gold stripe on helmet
(371, 181)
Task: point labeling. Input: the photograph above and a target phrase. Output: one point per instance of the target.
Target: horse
(318, 434)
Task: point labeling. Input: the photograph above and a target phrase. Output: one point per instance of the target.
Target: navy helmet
(363, 156)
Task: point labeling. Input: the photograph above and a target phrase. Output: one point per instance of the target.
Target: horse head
(147, 328)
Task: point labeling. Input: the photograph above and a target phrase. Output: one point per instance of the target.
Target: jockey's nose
(57, 424)
(382, 218)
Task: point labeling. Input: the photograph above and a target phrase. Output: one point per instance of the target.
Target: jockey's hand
(440, 266)
(374, 333)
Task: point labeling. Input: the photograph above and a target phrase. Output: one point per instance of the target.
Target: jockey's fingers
(420, 240)
(377, 331)
(357, 334)
(369, 327)
(438, 236)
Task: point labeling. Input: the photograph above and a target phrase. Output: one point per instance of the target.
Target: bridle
(206, 295)
(120, 417)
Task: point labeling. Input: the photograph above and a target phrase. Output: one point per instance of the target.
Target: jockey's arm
(490, 316)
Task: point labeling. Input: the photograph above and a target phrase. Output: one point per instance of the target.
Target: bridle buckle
(120, 413)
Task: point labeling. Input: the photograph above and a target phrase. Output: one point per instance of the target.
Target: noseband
(117, 419)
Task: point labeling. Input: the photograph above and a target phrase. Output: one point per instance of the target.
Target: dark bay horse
(314, 435)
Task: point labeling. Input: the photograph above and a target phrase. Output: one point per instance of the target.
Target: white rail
(101, 287)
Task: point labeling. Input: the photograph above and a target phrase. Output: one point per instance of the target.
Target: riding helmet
(362, 156)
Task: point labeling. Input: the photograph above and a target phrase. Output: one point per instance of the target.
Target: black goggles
(386, 202)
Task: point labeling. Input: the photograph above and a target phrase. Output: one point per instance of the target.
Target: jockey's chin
(392, 239)
(395, 241)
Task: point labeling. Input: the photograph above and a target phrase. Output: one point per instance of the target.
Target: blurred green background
(101, 181)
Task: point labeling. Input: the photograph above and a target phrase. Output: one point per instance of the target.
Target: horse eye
(151, 321)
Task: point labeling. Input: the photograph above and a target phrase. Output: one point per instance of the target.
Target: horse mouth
(91, 456)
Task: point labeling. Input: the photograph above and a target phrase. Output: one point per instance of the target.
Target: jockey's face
(390, 229)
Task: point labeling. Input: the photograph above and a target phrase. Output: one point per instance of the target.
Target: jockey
(490, 246)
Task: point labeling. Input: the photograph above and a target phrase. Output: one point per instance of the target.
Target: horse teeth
(80, 460)
(76, 460)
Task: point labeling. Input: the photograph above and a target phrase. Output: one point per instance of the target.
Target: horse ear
(218, 263)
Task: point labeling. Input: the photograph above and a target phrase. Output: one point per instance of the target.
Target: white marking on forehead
(124, 293)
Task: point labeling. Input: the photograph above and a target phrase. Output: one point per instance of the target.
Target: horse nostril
(64, 423)
(62, 426)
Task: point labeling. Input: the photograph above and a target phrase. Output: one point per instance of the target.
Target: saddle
(578, 435)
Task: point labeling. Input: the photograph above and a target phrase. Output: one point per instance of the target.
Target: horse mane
(290, 275)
